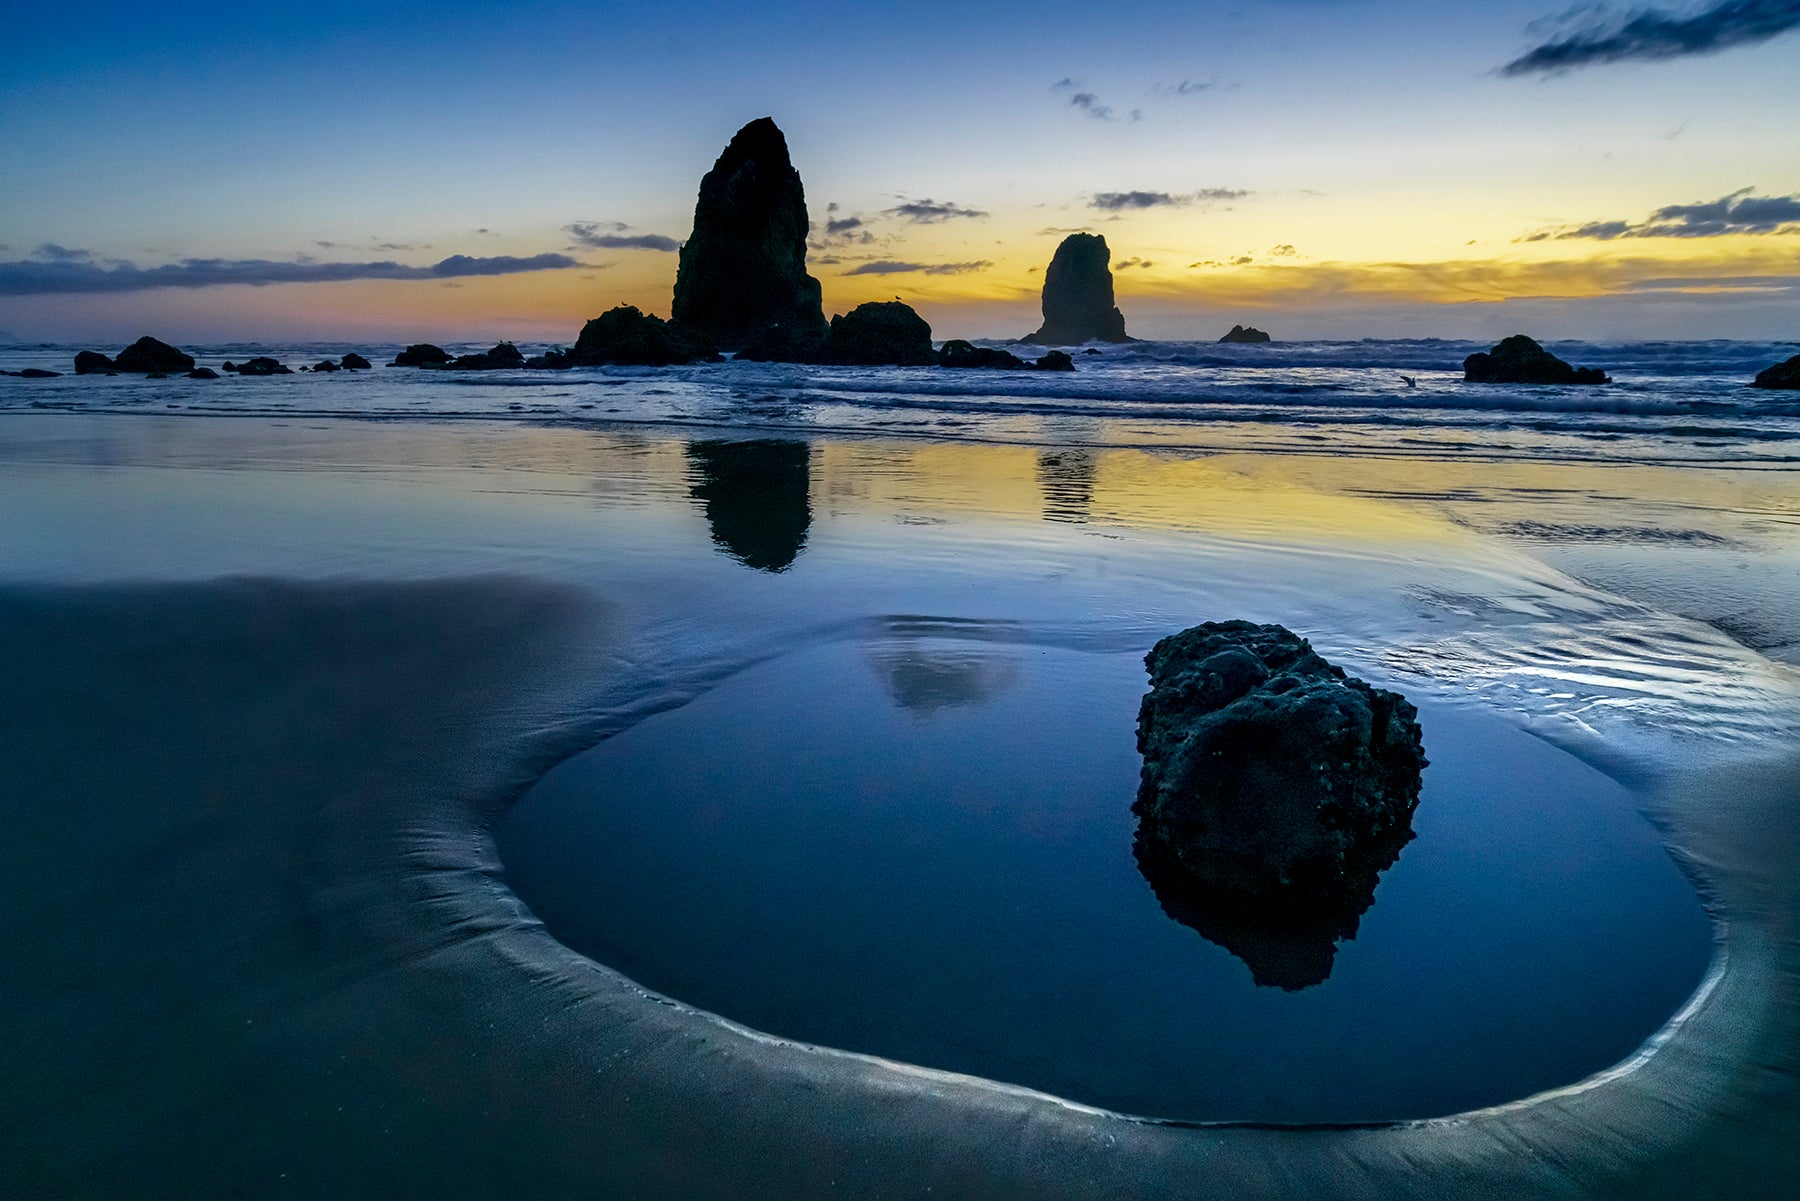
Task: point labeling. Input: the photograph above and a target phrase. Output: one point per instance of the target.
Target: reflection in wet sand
(757, 498)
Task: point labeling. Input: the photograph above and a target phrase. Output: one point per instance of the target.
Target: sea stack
(743, 270)
(1246, 335)
(1520, 360)
(1078, 295)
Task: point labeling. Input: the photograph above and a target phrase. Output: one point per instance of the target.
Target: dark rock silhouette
(1246, 335)
(146, 356)
(261, 365)
(958, 353)
(92, 362)
(1275, 790)
(203, 373)
(326, 365)
(38, 373)
(743, 270)
(880, 333)
(1078, 295)
(757, 498)
(355, 362)
(1520, 360)
(504, 356)
(421, 354)
(1784, 376)
(625, 336)
(1055, 360)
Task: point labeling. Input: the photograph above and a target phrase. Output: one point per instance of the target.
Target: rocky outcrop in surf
(1520, 360)
(422, 354)
(261, 365)
(1078, 295)
(628, 337)
(1783, 376)
(1246, 335)
(146, 356)
(1275, 790)
(743, 269)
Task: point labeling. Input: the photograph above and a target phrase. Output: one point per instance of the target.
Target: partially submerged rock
(958, 353)
(147, 356)
(1520, 360)
(1783, 376)
(1275, 790)
(355, 362)
(627, 336)
(880, 333)
(743, 270)
(92, 362)
(260, 365)
(422, 354)
(504, 356)
(38, 373)
(1078, 295)
(326, 365)
(1246, 334)
(1055, 360)
(203, 373)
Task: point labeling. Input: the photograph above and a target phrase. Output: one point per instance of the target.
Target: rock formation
(1520, 360)
(92, 362)
(1275, 790)
(1785, 376)
(421, 354)
(743, 270)
(326, 365)
(1246, 335)
(1054, 360)
(757, 497)
(355, 362)
(958, 353)
(626, 336)
(147, 356)
(504, 356)
(203, 373)
(883, 333)
(37, 373)
(1078, 295)
(261, 365)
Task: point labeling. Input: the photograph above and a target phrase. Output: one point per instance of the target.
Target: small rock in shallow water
(203, 373)
(355, 362)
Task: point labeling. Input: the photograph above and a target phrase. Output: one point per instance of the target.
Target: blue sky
(1377, 141)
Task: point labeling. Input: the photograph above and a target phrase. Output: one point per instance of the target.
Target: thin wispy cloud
(1090, 104)
(1739, 213)
(613, 235)
(930, 212)
(1595, 35)
(71, 275)
(893, 267)
(62, 254)
(1116, 202)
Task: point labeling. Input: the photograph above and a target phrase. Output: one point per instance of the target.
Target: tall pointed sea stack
(1078, 295)
(744, 269)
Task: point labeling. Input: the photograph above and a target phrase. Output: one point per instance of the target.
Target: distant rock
(1078, 295)
(1092, 350)
(958, 353)
(92, 362)
(261, 365)
(38, 373)
(422, 354)
(1275, 788)
(1783, 376)
(147, 356)
(1520, 360)
(1055, 360)
(504, 356)
(882, 333)
(355, 362)
(1246, 334)
(326, 365)
(628, 337)
(203, 373)
(743, 269)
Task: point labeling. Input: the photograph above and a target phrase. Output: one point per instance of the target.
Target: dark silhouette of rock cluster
(743, 269)
(146, 356)
(1275, 790)
(1783, 376)
(422, 354)
(625, 336)
(1078, 295)
(1246, 334)
(261, 365)
(1520, 360)
(958, 353)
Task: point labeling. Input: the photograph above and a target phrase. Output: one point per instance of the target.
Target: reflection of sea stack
(757, 498)
(1078, 295)
(743, 270)
(1275, 791)
(1067, 480)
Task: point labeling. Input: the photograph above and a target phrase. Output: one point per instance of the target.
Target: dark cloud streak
(1653, 35)
(1738, 213)
(891, 267)
(67, 276)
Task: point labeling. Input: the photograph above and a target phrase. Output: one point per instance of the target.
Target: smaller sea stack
(1520, 360)
(1078, 295)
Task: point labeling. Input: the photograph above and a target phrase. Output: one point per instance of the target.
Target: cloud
(38, 277)
(1594, 35)
(1283, 251)
(839, 226)
(587, 235)
(62, 254)
(1738, 213)
(890, 267)
(1113, 202)
(1090, 104)
(1054, 230)
(930, 212)
(1122, 264)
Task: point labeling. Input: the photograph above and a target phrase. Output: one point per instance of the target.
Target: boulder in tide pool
(1275, 790)
(1520, 360)
(1783, 376)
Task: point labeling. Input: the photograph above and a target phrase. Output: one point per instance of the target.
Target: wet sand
(260, 942)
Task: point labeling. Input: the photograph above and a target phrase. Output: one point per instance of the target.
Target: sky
(1318, 168)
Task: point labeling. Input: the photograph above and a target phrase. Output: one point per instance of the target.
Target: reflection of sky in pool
(921, 848)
